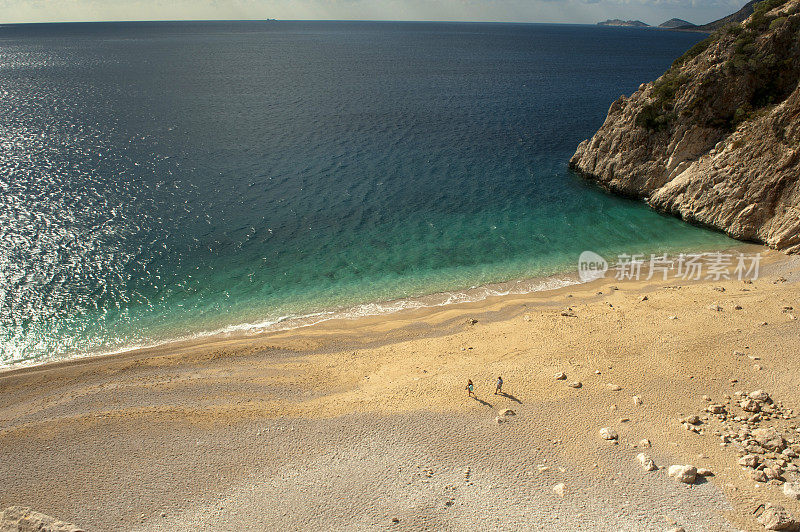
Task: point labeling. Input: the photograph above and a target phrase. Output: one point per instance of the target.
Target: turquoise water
(162, 180)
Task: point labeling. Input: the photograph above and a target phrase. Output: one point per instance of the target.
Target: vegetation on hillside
(772, 70)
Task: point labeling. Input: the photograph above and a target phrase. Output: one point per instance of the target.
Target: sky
(564, 11)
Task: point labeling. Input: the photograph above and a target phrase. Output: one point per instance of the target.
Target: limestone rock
(748, 405)
(748, 460)
(647, 463)
(769, 438)
(559, 489)
(759, 395)
(701, 143)
(792, 490)
(777, 518)
(22, 519)
(683, 473)
(607, 433)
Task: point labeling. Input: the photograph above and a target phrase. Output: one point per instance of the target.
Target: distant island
(619, 22)
(685, 25)
(676, 23)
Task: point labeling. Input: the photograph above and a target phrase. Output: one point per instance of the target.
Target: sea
(162, 181)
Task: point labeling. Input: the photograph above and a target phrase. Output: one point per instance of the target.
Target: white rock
(560, 376)
(614, 387)
(704, 472)
(576, 384)
(647, 463)
(507, 412)
(559, 489)
(792, 490)
(683, 473)
(637, 400)
(644, 443)
(759, 395)
(607, 433)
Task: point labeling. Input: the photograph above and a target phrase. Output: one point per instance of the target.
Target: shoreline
(371, 414)
(474, 294)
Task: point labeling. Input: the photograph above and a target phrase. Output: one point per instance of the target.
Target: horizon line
(265, 20)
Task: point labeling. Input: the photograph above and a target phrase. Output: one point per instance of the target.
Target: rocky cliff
(716, 139)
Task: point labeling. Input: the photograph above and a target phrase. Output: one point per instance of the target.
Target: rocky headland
(716, 139)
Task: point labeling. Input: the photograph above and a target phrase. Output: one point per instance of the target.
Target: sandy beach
(365, 424)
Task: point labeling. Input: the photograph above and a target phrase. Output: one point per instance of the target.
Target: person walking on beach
(499, 388)
(470, 388)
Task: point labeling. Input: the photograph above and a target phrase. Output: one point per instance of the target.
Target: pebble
(560, 376)
(559, 489)
(792, 490)
(637, 400)
(614, 387)
(576, 384)
(645, 443)
(647, 463)
(607, 433)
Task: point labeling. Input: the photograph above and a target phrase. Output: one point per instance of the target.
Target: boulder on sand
(683, 473)
(23, 519)
(777, 518)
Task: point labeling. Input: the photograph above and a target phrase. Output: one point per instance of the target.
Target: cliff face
(716, 139)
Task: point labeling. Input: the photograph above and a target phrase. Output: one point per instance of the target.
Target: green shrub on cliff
(653, 117)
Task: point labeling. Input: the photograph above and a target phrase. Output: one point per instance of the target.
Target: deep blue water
(159, 180)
